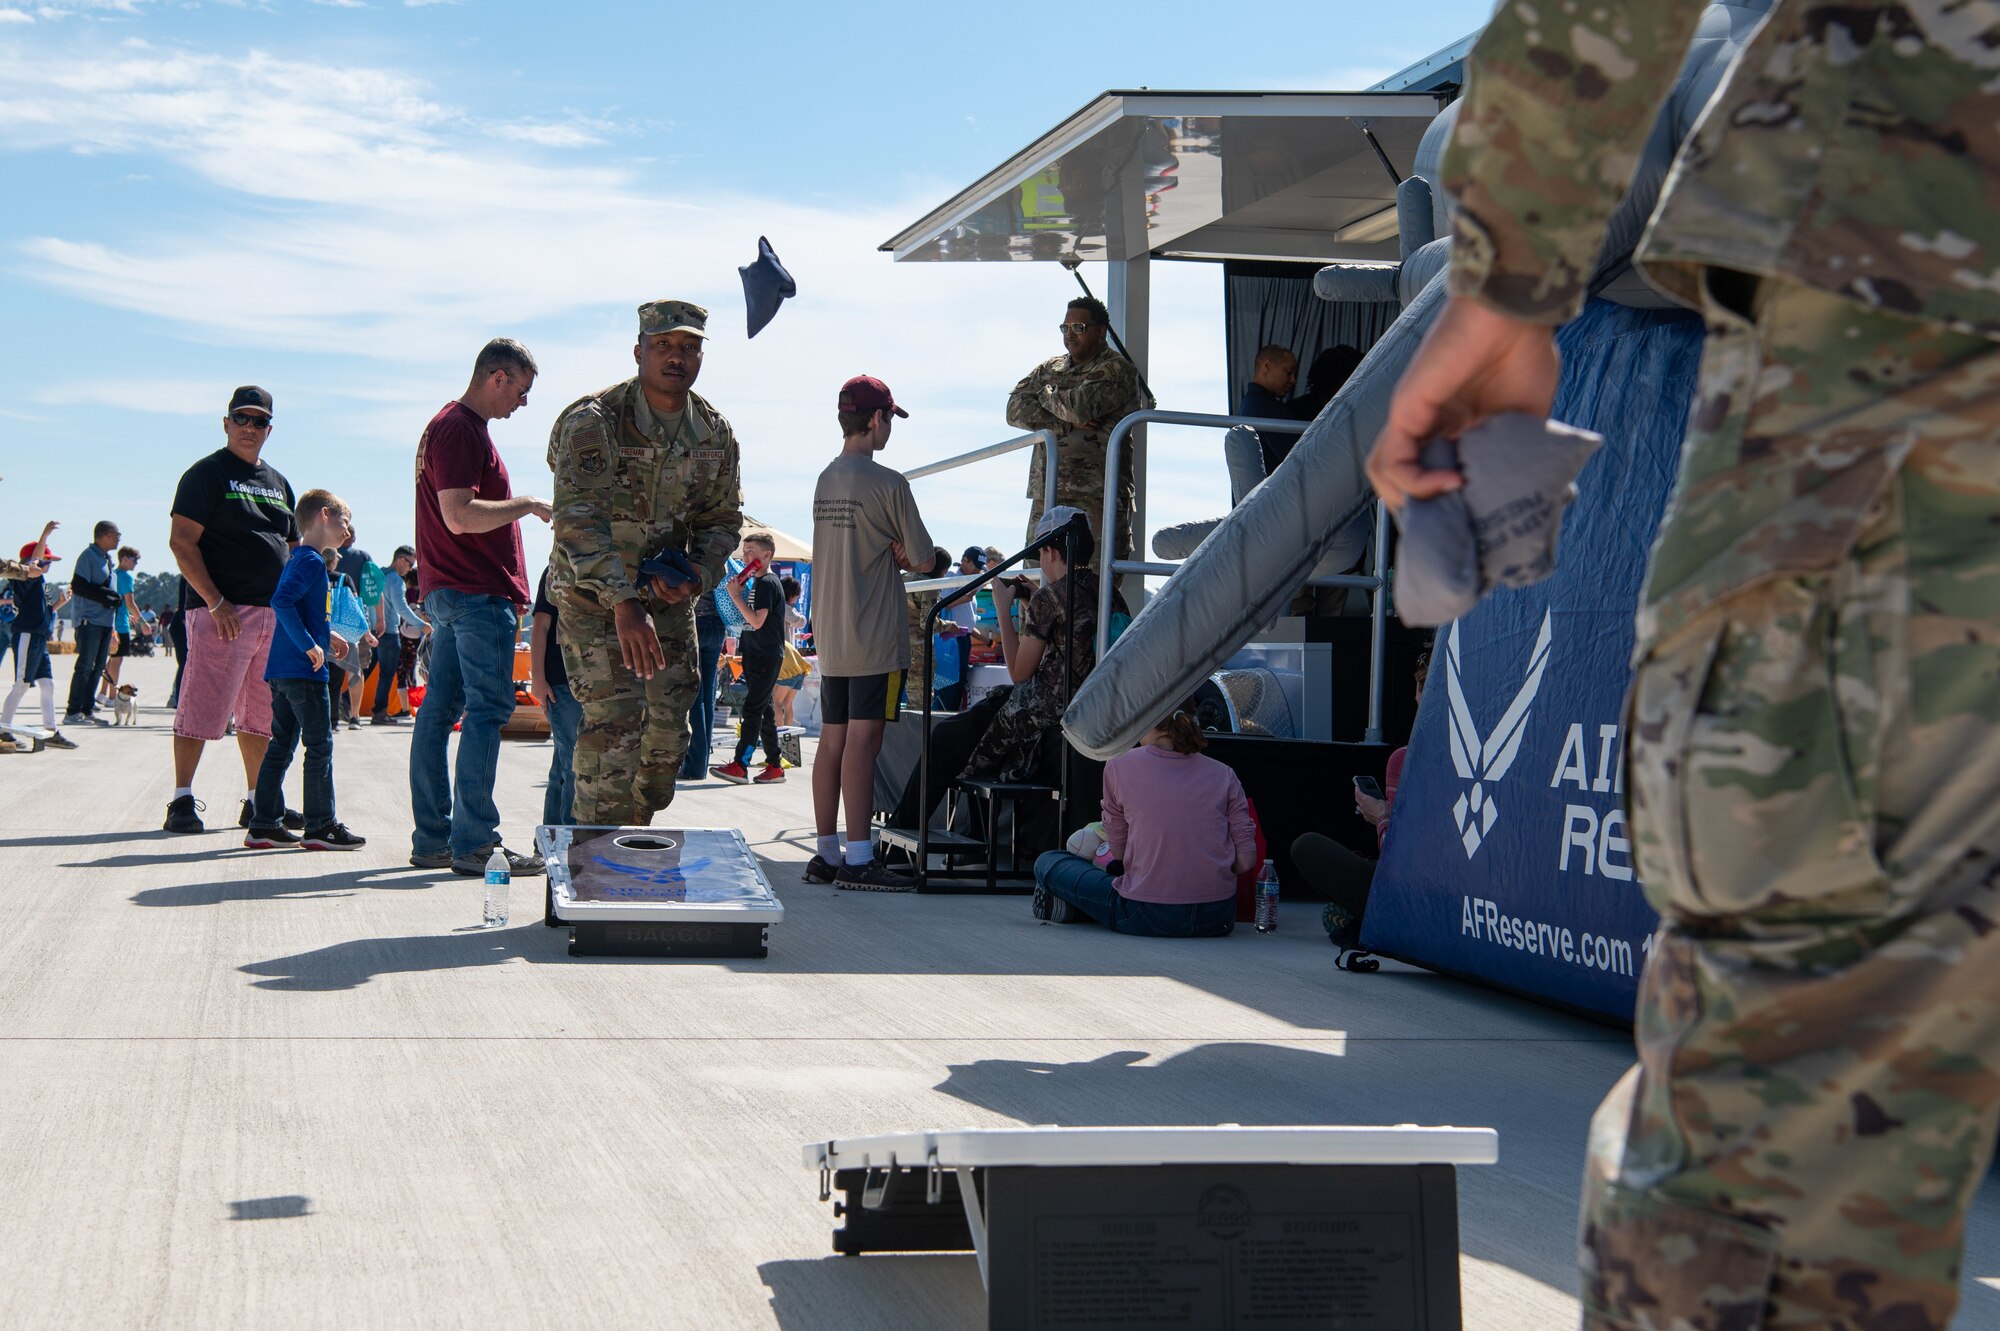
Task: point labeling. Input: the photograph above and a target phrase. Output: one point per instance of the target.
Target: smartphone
(1369, 786)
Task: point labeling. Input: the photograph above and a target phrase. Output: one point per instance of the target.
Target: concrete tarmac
(281, 1089)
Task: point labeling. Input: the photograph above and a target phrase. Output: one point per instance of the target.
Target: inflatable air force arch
(1508, 858)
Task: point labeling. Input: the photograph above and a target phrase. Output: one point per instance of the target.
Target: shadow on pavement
(910, 1292)
(78, 839)
(342, 884)
(352, 964)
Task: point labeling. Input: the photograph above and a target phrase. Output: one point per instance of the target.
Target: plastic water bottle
(499, 878)
(1267, 898)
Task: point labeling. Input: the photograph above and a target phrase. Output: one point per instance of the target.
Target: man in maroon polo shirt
(473, 579)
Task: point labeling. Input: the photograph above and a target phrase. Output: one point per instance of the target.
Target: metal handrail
(1376, 583)
(1047, 438)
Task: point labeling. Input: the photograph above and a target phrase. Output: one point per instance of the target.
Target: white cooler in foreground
(657, 891)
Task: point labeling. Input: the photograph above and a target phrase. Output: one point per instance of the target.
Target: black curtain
(1274, 302)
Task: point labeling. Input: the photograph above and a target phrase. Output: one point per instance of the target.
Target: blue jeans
(471, 679)
(565, 715)
(300, 710)
(1091, 890)
(709, 632)
(388, 654)
(93, 651)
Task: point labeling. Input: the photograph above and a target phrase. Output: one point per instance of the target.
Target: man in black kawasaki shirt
(761, 601)
(232, 533)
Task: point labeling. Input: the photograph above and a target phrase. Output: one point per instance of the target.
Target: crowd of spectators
(285, 628)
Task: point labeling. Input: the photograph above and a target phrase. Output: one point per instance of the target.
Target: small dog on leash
(125, 706)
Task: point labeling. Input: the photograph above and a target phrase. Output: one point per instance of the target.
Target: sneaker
(518, 865)
(432, 859)
(96, 720)
(736, 774)
(58, 740)
(873, 876)
(771, 775)
(269, 838)
(353, 724)
(387, 721)
(334, 836)
(819, 871)
(1052, 909)
(293, 820)
(184, 814)
(73, 718)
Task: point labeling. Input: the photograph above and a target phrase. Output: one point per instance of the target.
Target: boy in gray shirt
(866, 531)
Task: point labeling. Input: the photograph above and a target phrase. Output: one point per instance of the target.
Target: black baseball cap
(250, 396)
(977, 554)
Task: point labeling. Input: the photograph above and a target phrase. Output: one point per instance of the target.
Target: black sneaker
(873, 876)
(1052, 909)
(431, 859)
(184, 814)
(294, 820)
(58, 740)
(334, 836)
(518, 865)
(819, 871)
(269, 838)
(385, 721)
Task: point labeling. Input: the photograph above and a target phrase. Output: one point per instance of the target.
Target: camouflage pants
(1084, 489)
(634, 731)
(1813, 764)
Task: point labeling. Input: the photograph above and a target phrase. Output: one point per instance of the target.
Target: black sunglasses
(250, 418)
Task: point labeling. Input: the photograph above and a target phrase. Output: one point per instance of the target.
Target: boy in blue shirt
(301, 708)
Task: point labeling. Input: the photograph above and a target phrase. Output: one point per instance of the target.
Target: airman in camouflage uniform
(1815, 722)
(1081, 395)
(634, 474)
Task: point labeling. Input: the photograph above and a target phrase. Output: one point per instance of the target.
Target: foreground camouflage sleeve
(1105, 390)
(1558, 105)
(1024, 405)
(581, 452)
(715, 511)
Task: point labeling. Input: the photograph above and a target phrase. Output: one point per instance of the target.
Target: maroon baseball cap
(866, 393)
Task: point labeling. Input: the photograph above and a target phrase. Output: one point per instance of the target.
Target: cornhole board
(35, 735)
(657, 891)
(1128, 1229)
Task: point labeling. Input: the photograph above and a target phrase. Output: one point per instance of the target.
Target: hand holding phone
(1369, 786)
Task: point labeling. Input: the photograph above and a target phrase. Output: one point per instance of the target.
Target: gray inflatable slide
(1313, 512)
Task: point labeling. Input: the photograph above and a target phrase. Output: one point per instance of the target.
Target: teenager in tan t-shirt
(866, 530)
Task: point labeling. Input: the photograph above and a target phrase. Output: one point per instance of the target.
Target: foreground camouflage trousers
(634, 731)
(1815, 774)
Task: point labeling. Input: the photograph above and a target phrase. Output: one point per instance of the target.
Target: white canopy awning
(1193, 175)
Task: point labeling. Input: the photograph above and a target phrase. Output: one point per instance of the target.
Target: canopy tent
(789, 547)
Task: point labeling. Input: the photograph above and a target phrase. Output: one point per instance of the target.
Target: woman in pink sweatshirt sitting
(1177, 832)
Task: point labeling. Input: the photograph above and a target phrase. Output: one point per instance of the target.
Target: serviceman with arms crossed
(1815, 721)
(640, 467)
(1081, 395)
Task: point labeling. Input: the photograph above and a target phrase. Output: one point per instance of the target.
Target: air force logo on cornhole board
(1485, 763)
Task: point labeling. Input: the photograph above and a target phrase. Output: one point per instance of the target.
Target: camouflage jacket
(626, 488)
(18, 571)
(1853, 147)
(1080, 403)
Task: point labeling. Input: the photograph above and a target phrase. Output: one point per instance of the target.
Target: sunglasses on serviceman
(251, 419)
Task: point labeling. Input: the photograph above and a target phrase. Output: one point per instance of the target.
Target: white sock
(181, 791)
(860, 852)
(48, 688)
(829, 846)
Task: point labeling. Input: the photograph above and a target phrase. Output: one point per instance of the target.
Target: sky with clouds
(342, 201)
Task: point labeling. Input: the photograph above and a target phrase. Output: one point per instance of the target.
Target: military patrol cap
(672, 316)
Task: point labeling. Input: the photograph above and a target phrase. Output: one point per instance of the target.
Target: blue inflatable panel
(1508, 858)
